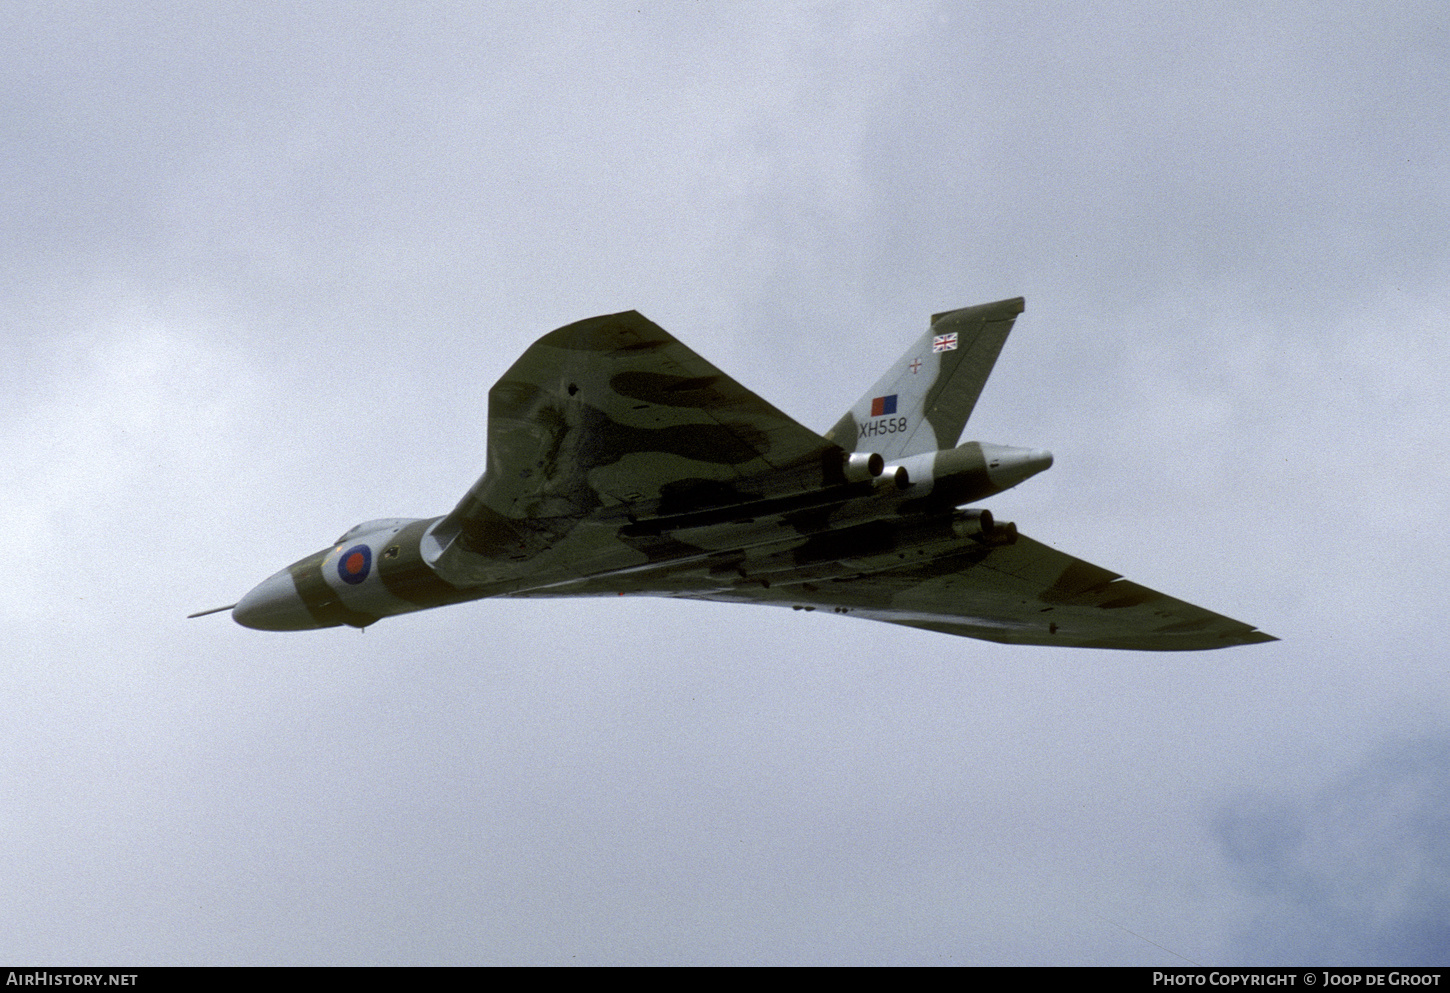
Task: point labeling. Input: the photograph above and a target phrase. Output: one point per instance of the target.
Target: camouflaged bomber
(620, 462)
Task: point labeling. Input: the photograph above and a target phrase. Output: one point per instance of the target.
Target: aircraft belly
(762, 555)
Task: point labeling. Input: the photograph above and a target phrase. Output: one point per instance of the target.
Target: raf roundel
(354, 564)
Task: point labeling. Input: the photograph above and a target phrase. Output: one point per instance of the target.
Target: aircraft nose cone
(273, 605)
(1007, 467)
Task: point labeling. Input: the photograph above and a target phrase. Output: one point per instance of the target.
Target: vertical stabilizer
(924, 400)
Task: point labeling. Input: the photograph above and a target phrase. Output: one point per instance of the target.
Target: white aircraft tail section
(923, 402)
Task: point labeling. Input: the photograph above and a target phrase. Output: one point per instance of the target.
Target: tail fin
(924, 400)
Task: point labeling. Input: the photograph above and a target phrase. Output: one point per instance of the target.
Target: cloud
(1356, 874)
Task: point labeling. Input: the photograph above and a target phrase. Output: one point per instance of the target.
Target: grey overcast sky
(262, 262)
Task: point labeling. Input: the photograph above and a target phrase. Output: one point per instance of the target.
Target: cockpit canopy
(368, 527)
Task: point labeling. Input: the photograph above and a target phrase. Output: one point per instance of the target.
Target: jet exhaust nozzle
(863, 466)
(979, 526)
(893, 477)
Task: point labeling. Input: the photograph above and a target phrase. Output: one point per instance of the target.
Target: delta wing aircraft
(620, 462)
